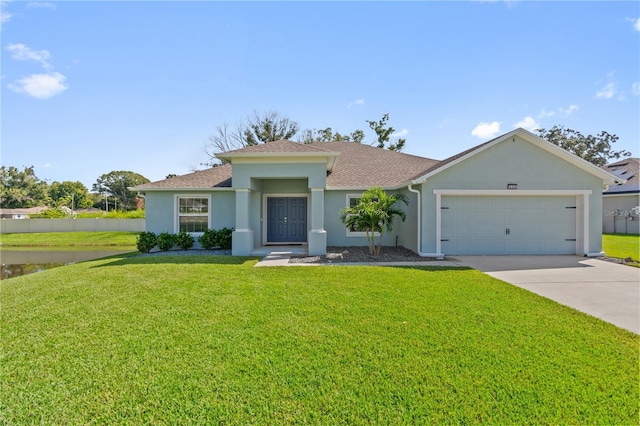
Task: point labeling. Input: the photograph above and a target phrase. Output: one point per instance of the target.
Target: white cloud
(41, 86)
(635, 88)
(41, 5)
(400, 133)
(636, 24)
(357, 102)
(545, 114)
(22, 52)
(528, 123)
(570, 110)
(486, 130)
(4, 16)
(609, 90)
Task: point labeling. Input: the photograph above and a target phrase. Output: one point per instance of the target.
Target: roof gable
(606, 177)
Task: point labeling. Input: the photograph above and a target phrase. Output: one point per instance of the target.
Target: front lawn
(212, 340)
(120, 240)
(622, 246)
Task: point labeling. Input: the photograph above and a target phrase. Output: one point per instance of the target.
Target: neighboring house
(621, 203)
(516, 194)
(21, 213)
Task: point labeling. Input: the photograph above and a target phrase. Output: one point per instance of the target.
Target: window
(193, 214)
(352, 231)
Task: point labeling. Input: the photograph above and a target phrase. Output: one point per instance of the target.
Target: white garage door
(508, 225)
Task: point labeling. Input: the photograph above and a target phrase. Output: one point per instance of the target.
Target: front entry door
(286, 219)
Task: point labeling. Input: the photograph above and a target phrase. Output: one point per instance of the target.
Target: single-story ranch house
(515, 194)
(621, 202)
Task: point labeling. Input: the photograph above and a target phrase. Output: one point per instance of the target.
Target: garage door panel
(508, 225)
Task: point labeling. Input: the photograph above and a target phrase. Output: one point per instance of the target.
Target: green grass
(622, 246)
(119, 240)
(212, 340)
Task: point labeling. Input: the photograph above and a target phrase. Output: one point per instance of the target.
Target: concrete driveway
(605, 290)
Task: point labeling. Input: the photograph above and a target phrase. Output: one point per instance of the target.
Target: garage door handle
(508, 231)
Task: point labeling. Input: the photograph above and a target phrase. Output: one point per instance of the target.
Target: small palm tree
(374, 213)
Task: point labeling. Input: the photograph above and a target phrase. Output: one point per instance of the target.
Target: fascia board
(180, 189)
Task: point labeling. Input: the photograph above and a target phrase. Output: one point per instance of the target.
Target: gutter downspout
(420, 253)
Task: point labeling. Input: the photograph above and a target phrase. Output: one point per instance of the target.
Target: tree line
(23, 189)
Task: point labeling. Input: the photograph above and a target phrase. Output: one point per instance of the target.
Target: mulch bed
(361, 255)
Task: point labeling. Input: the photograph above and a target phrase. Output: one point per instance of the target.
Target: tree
(327, 135)
(257, 128)
(70, 194)
(374, 213)
(595, 149)
(116, 184)
(21, 189)
(384, 134)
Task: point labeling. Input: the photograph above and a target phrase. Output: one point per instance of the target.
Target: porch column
(242, 237)
(317, 235)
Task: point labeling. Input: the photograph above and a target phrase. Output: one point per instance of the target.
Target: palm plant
(374, 213)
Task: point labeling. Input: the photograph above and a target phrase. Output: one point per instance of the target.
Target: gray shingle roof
(281, 146)
(357, 166)
(215, 177)
(363, 166)
(628, 169)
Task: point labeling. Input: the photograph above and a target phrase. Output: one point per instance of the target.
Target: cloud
(635, 88)
(22, 52)
(486, 130)
(528, 123)
(357, 102)
(4, 16)
(41, 86)
(570, 110)
(636, 23)
(400, 133)
(545, 114)
(609, 90)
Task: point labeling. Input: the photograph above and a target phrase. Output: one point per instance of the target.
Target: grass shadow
(136, 259)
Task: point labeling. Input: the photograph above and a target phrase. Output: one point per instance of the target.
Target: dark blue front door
(286, 219)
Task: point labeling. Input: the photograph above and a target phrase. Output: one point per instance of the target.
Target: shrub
(220, 238)
(223, 238)
(208, 239)
(184, 240)
(165, 241)
(146, 241)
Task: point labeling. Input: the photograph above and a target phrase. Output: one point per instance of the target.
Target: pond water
(16, 262)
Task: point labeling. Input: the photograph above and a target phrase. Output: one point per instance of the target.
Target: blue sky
(92, 87)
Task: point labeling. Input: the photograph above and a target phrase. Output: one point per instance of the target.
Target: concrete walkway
(605, 290)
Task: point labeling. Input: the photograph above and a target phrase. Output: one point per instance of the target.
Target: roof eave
(184, 188)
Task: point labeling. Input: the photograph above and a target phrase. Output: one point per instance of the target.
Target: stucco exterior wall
(161, 210)
(337, 232)
(512, 161)
(617, 216)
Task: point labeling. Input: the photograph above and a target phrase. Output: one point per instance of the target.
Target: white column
(317, 238)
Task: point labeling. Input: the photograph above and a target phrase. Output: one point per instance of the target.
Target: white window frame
(351, 233)
(178, 215)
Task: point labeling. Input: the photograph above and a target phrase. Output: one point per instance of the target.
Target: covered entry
(286, 220)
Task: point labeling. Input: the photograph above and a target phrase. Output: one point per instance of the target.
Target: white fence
(14, 226)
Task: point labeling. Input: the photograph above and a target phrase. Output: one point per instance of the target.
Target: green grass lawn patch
(622, 246)
(117, 240)
(212, 340)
